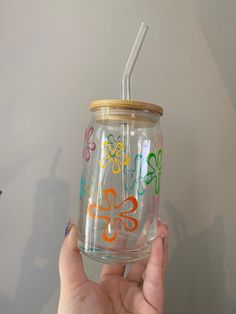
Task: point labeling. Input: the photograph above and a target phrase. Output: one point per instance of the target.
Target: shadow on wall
(195, 279)
(218, 28)
(39, 274)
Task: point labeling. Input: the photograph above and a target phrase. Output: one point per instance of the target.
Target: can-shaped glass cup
(120, 181)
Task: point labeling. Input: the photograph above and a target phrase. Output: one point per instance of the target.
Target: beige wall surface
(55, 57)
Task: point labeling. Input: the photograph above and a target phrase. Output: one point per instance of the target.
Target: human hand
(141, 291)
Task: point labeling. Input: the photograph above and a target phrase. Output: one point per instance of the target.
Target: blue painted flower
(82, 186)
(135, 181)
(113, 140)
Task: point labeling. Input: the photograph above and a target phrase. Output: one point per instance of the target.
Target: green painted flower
(154, 170)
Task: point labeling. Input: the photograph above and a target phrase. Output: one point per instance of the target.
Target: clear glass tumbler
(120, 182)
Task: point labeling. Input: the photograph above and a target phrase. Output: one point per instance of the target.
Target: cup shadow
(39, 278)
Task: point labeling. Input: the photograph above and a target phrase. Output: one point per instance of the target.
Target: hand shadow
(195, 280)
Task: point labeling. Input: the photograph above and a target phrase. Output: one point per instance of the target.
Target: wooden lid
(125, 104)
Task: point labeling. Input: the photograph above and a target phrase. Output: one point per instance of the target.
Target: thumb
(71, 268)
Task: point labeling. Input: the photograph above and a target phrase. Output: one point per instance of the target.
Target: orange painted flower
(114, 214)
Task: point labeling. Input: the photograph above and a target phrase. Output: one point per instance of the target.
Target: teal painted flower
(114, 155)
(154, 170)
(112, 140)
(82, 186)
(135, 181)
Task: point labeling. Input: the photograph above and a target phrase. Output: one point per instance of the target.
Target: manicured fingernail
(68, 227)
(159, 220)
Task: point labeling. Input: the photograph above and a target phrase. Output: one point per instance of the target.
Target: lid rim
(125, 104)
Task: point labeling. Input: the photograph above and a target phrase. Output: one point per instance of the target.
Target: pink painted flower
(88, 145)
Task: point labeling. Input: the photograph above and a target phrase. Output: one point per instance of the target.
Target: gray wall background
(55, 57)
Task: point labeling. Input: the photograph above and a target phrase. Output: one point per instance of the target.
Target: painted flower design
(115, 215)
(82, 186)
(113, 140)
(88, 144)
(115, 155)
(135, 180)
(154, 170)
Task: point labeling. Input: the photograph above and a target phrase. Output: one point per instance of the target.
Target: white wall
(57, 56)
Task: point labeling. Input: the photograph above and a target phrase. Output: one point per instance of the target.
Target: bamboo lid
(125, 104)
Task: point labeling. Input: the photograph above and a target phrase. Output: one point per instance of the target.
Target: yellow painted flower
(115, 155)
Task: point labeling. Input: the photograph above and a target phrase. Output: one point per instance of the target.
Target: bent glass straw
(126, 78)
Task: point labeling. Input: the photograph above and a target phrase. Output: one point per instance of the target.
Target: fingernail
(165, 239)
(68, 227)
(165, 224)
(159, 220)
(161, 236)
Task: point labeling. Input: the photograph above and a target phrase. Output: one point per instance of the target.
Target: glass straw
(126, 78)
(126, 92)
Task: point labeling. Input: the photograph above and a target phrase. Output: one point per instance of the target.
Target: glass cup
(120, 181)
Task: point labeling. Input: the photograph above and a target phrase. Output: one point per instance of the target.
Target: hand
(141, 291)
